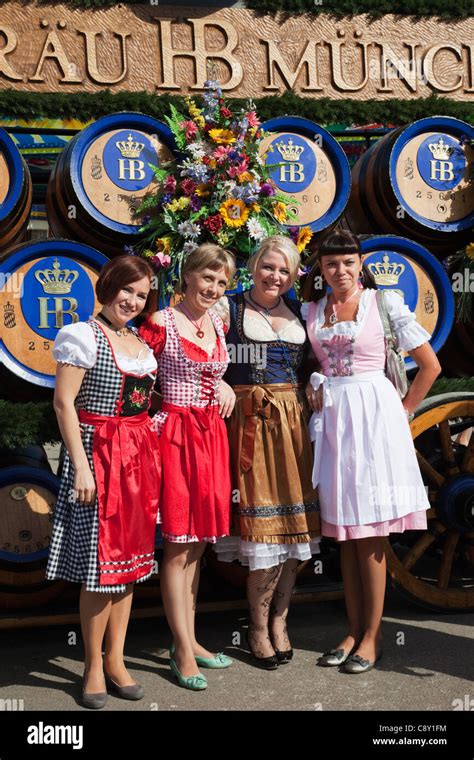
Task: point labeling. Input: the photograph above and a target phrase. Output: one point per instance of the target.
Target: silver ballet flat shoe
(357, 664)
(334, 657)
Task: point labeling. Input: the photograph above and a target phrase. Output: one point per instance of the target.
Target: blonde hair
(279, 244)
(207, 256)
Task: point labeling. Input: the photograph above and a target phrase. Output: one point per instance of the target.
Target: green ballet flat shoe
(195, 683)
(219, 661)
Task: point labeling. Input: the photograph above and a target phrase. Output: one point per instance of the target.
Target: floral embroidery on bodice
(340, 351)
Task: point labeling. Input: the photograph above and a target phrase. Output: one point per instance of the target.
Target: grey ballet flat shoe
(94, 701)
(357, 664)
(334, 657)
(134, 692)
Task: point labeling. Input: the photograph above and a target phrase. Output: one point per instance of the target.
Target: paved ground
(428, 663)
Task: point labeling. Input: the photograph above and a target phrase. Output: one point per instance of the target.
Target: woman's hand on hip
(226, 399)
(85, 489)
(315, 398)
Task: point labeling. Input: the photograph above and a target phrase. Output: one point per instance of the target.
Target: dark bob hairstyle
(333, 243)
(120, 272)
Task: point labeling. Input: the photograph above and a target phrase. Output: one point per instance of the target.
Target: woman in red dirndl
(105, 518)
(189, 344)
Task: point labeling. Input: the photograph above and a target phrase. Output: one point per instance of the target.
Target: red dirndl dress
(195, 499)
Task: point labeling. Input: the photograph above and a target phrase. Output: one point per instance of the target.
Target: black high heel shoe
(267, 663)
(282, 657)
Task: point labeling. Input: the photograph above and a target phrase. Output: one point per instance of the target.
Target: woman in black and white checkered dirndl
(74, 548)
(105, 520)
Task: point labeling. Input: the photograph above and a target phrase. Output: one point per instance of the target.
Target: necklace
(199, 330)
(266, 309)
(334, 318)
(122, 332)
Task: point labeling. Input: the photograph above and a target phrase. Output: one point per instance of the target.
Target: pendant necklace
(121, 332)
(334, 318)
(266, 309)
(199, 330)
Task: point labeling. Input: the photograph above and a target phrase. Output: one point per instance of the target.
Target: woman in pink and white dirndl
(365, 464)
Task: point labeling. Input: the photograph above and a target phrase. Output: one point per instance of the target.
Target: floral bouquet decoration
(219, 190)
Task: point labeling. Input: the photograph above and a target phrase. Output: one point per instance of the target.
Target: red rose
(213, 223)
(136, 397)
(226, 113)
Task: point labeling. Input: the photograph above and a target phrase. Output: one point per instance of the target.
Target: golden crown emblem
(56, 281)
(386, 272)
(290, 152)
(440, 150)
(130, 148)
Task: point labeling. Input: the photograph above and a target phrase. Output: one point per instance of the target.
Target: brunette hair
(207, 256)
(122, 271)
(334, 243)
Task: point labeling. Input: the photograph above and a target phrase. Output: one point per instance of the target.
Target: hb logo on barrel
(296, 161)
(124, 162)
(441, 162)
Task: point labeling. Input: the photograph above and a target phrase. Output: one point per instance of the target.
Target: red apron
(127, 466)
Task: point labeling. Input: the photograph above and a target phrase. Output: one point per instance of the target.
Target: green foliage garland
(445, 9)
(86, 106)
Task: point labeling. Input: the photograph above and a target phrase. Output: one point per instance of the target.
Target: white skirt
(365, 463)
(260, 556)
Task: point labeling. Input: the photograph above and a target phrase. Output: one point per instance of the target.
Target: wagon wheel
(436, 568)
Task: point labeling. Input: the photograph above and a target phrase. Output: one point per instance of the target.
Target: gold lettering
(199, 54)
(11, 42)
(59, 311)
(53, 49)
(292, 172)
(404, 70)
(91, 57)
(337, 66)
(133, 167)
(444, 170)
(308, 59)
(428, 66)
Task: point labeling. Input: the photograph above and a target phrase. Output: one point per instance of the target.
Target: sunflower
(222, 136)
(304, 236)
(279, 211)
(470, 251)
(234, 212)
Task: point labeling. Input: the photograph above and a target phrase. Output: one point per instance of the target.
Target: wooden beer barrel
(417, 181)
(25, 456)
(103, 176)
(405, 266)
(45, 285)
(313, 169)
(27, 500)
(15, 193)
